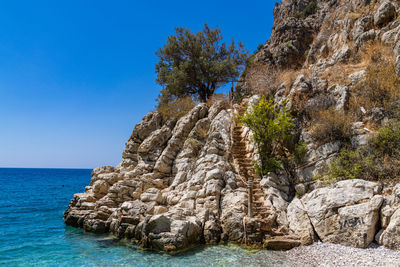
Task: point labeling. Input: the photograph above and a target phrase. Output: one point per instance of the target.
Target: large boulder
(390, 220)
(385, 13)
(390, 237)
(160, 232)
(299, 223)
(346, 213)
(234, 205)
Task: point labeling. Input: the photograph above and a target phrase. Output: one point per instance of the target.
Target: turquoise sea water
(32, 231)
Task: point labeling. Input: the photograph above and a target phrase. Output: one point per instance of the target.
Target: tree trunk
(203, 96)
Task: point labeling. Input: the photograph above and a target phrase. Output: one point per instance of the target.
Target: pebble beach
(325, 254)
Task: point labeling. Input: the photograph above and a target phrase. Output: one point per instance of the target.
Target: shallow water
(32, 231)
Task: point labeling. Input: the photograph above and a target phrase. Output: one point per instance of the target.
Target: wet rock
(282, 243)
(212, 232)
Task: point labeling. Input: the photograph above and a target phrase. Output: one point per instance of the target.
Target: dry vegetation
(261, 79)
(177, 108)
(222, 98)
(331, 125)
(380, 87)
(288, 76)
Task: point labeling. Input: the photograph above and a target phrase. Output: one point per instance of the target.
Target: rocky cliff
(184, 182)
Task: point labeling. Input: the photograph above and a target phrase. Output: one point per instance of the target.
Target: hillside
(183, 181)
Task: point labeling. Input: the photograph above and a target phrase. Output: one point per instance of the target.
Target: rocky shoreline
(178, 194)
(183, 182)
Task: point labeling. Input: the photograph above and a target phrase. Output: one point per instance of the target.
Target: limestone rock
(179, 182)
(301, 84)
(341, 95)
(362, 25)
(212, 232)
(299, 223)
(367, 36)
(390, 237)
(148, 125)
(385, 13)
(341, 56)
(397, 65)
(181, 130)
(232, 215)
(282, 243)
(357, 76)
(391, 204)
(345, 213)
(356, 224)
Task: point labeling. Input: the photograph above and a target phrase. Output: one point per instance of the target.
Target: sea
(33, 233)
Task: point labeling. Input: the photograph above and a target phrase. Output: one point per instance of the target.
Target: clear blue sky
(77, 75)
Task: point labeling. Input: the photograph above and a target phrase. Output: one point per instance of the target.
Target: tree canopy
(196, 64)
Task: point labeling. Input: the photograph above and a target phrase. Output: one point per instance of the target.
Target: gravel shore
(325, 254)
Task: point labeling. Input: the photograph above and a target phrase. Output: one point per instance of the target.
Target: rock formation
(184, 182)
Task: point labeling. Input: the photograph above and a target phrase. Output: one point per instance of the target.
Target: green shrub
(300, 152)
(270, 125)
(377, 161)
(352, 164)
(259, 47)
(387, 141)
(309, 10)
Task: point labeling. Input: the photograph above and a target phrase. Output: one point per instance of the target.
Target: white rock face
(175, 186)
(390, 237)
(299, 223)
(345, 213)
(183, 188)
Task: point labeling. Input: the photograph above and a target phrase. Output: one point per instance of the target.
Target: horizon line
(61, 168)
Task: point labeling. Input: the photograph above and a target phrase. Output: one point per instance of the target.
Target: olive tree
(196, 64)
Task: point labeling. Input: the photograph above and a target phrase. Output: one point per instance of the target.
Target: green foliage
(309, 10)
(240, 93)
(379, 160)
(289, 44)
(299, 153)
(352, 164)
(387, 141)
(251, 61)
(270, 125)
(196, 64)
(259, 47)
